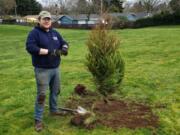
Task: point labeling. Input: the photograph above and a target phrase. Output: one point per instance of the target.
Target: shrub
(163, 18)
(104, 60)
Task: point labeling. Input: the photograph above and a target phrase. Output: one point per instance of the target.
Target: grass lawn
(152, 76)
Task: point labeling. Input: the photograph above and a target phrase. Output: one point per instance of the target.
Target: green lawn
(152, 76)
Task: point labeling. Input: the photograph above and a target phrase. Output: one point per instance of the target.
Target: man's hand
(43, 51)
(64, 50)
(54, 52)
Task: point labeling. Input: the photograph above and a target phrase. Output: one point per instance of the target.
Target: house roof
(134, 15)
(84, 16)
(81, 17)
(31, 16)
(55, 18)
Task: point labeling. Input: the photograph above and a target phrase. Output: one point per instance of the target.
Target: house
(31, 18)
(81, 19)
(1, 20)
(66, 20)
(132, 16)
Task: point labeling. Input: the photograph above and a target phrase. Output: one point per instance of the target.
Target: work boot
(59, 113)
(38, 125)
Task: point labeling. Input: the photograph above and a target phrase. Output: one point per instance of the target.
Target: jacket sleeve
(31, 44)
(61, 41)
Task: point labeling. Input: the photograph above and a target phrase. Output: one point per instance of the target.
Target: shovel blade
(81, 110)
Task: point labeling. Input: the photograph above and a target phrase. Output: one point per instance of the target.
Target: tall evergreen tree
(114, 5)
(28, 7)
(104, 60)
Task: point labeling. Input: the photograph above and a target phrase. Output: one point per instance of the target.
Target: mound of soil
(86, 121)
(115, 113)
(80, 89)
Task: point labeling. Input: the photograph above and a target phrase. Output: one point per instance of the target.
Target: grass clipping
(104, 60)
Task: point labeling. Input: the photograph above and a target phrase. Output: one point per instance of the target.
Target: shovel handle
(67, 109)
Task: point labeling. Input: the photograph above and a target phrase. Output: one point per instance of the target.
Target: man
(45, 46)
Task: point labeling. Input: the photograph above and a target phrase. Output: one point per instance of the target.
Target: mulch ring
(115, 113)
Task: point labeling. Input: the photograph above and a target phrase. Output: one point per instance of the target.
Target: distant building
(131, 16)
(31, 18)
(80, 19)
(1, 20)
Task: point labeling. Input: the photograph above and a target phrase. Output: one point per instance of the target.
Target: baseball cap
(44, 14)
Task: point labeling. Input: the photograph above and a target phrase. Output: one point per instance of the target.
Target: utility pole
(56, 10)
(101, 7)
(16, 10)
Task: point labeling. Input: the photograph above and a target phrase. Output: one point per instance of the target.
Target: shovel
(80, 110)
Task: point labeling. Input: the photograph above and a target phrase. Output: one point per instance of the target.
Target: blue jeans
(46, 78)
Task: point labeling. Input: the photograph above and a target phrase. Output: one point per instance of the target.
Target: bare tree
(62, 5)
(127, 6)
(163, 7)
(175, 6)
(83, 7)
(56, 7)
(137, 7)
(49, 5)
(150, 5)
(6, 6)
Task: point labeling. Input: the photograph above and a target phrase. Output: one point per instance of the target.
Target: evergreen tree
(104, 60)
(28, 7)
(114, 5)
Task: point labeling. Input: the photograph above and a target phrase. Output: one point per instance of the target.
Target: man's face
(45, 22)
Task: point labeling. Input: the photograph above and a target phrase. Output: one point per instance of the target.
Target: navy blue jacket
(39, 38)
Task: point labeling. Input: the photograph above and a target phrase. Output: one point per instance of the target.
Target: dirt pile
(115, 114)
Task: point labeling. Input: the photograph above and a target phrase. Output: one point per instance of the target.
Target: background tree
(56, 7)
(28, 7)
(104, 60)
(63, 6)
(149, 5)
(83, 7)
(108, 5)
(137, 7)
(163, 7)
(175, 6)
(127, 6)
(6, 6)
(1, 7)
(114, 5)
